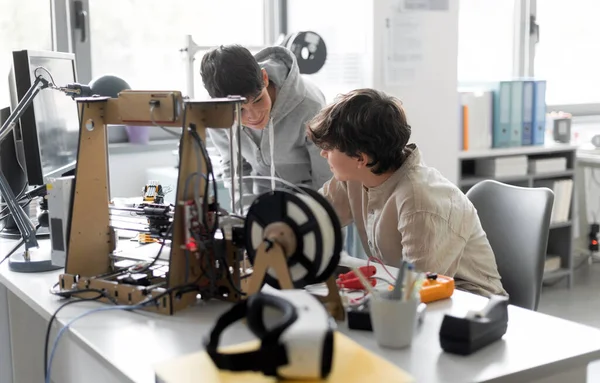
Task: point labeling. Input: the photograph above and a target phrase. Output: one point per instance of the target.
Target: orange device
(436, 287)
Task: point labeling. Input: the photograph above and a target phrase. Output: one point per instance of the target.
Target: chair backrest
(516, 221)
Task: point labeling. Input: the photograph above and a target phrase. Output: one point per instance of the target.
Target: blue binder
(528, 112)
(502, 115)
(539, 115)
(516, 113)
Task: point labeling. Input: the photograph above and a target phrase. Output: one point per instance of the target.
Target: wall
(128, 164)
(428, 87)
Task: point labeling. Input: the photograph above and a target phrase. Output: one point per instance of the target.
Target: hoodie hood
(282, 68)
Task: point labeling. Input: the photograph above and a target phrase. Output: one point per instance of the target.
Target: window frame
(68, 37)
(581, 109)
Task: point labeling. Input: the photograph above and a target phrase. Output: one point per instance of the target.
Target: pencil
(363, 280)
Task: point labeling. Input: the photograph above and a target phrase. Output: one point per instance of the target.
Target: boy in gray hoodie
(279, 102)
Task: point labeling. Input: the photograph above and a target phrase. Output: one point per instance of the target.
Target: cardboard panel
(90, 240)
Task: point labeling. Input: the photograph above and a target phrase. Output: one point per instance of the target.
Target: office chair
(517, 222)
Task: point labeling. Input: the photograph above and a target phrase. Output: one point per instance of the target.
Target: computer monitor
(47, 138)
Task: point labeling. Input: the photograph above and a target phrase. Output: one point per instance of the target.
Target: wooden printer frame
(91, 238)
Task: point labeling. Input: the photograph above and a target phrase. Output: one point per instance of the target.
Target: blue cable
(66, 327)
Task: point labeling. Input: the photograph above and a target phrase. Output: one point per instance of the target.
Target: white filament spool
(314, 224)
(326, 229)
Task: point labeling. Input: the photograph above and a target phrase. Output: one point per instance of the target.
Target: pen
(397, 292)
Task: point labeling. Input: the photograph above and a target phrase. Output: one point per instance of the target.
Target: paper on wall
(403, 39)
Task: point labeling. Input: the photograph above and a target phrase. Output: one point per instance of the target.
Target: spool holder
(270, 254)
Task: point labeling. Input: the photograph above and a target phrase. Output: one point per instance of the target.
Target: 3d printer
(288, 238)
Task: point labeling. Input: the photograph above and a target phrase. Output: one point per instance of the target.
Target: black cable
(20, 199)
(53, 317)
(52, 83)
(9, 214)
(181, 290)
(162, 245)
(211, 176)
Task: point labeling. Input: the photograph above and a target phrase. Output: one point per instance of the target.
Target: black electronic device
(15, 176)
(47, 137)
(359, 317)
(593, 236)
(477, 329)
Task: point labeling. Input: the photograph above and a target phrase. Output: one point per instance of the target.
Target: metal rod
(238, 108)
(131, 228)
(22, 220)
(39, 84)
(24, 224)
(133, 209)
(232, 170)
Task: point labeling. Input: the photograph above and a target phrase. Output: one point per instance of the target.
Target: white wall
(128, 168)
(430, 94)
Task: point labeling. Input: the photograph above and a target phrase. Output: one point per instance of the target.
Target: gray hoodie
(297, 159)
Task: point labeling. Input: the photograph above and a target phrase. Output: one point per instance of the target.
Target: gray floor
(580, 304)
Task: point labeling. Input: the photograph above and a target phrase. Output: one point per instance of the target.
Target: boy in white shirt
(402, 208)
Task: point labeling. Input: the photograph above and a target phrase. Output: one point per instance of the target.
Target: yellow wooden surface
(351, 363)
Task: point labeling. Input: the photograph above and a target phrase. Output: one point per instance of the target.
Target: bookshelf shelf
(560, 273)
(558, 225)
(560, 241)
(469, 180)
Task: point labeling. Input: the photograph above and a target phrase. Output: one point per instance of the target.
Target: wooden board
(352, 363)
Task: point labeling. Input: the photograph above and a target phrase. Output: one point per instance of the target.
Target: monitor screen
(49, 134)
(56, 116)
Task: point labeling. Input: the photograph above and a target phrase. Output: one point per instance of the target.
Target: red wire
(382, 264)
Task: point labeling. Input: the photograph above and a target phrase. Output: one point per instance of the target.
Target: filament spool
(310, 50)
(306, 227)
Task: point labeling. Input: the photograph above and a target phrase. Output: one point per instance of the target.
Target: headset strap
(270, 356)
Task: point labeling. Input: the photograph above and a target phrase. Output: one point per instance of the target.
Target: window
(566, 56)
(486, 36)
(24, 24)
(345, 38)
(139, 40)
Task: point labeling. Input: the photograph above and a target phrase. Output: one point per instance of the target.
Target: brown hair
(364, 121)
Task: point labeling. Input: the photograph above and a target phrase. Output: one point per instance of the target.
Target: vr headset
(298, 345)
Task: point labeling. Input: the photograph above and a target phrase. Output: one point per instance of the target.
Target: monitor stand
(33, 261)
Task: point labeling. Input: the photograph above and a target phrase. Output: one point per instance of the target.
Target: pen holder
(393, 320)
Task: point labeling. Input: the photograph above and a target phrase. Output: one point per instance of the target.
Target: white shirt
(420, 216)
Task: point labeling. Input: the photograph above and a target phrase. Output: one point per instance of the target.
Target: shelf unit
(560, 240)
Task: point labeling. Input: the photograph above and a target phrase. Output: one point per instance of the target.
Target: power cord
(153, 105)
(53, 317)
(181, 290)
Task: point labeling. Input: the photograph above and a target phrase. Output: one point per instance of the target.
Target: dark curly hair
(231, 70)
(364, 121)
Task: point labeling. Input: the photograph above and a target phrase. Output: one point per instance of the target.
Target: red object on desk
(367, 271)
(355, 283)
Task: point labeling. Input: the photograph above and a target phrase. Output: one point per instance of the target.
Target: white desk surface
(129, 343)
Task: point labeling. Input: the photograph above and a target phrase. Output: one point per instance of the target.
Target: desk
(123, 346)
